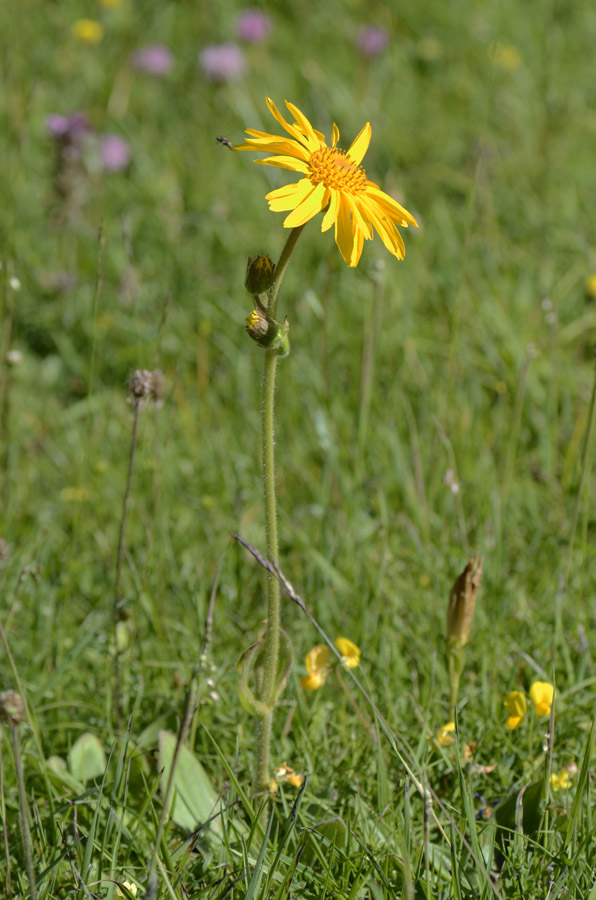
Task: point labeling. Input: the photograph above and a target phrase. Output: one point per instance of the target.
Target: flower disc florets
(334, 169)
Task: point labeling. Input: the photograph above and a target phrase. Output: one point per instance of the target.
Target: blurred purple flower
(70, 128)
(372, 40)
(253, 26)
(115, 153)
(222, 62)
(155, 59)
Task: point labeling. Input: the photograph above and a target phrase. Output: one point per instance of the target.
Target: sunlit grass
(439, 408)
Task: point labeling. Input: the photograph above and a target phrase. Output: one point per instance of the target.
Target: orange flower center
(336, 170)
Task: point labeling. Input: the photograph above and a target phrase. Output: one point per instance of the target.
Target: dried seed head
(145, 385)
(462, 602)
(12, 708)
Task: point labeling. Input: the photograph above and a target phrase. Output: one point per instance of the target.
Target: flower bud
(260, 274)
(267, 332)
(462, 602)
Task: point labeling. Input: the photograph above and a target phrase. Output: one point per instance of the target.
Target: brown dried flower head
(12, 708)
(462, 602)
(145, 386)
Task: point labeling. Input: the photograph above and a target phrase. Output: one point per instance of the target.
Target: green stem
(281, 268)
(26, 834)
(271, 646)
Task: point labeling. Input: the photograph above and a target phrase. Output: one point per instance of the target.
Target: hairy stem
(272, 632)
(27, 845)
(117, 611)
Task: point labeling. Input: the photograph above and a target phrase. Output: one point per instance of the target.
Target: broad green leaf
(196, 800)
(86, 758)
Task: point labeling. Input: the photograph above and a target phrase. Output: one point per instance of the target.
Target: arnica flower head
(222, 62)
(541, 695)
(350, 653)
(516, 706)
(88, 31)
(253, 26)
(155, 59)
(317, 664)
(372, 40)
(333, 180)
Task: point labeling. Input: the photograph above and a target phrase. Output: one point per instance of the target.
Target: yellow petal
(334, 135)
(387, 231)
(332, 211)
(446, 734)
(274, 144)
(349, 651)
(394, 209)
(516, 706)
(291, 129)
(289, 196)
(309, 132)
(318, 658)
(541, 695)
(358, 218)
(312, 682)
(285, 162)
(312, 204)
(360, 145)
(344, 233)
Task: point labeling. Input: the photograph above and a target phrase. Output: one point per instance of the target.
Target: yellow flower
(317, 665)
(350, 653)
(88, 31)
(560, 782)
(591, 287)
(285, 773)
(516, 706)
(541, 695)
(446, 735)
(130, 887)
(333, 180)
(507, 56)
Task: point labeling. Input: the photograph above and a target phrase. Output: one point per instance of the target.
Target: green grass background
(473, 355)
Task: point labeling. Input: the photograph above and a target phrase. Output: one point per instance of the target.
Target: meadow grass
(430, 410)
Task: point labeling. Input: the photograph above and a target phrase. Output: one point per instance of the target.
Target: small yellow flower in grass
(350, 653)
(516, 706)
(317, 665)
(560, 782)
(287, 774)
(507, 56)
(541, 695)
(130, 887)
(446, 735)
(332, 180)
(590, 287)
(88, 31)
